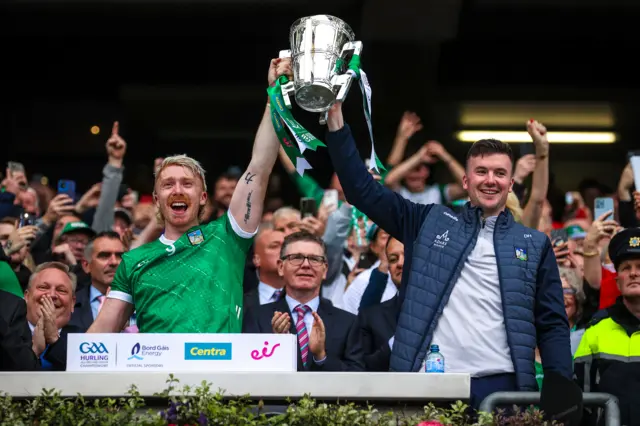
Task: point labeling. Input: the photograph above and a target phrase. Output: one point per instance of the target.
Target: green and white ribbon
(356, 215)
(292, 151)
(365, 88)
(281, 117)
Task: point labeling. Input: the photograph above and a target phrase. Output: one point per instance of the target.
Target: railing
(408, 387)
(608, 401)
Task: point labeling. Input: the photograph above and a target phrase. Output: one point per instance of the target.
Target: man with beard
(190, 279)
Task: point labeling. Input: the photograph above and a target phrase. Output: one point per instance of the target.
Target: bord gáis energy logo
(135, 352)
(207, 351)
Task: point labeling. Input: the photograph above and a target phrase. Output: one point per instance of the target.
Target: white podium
(182, 352)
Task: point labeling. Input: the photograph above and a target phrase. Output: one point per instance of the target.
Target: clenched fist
(538, 134)
(278, 67)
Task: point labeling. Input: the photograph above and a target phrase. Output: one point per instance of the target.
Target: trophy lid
(328, 19)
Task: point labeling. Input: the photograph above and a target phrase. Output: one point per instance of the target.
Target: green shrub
(201, 406)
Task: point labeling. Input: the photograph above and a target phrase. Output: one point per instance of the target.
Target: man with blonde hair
(190, 279)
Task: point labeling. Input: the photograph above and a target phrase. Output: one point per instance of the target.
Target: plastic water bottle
(435, 361)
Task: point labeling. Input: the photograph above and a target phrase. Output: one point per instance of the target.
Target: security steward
(608, 357)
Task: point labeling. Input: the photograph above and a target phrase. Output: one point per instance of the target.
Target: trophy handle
(286, 88)
(342, 83)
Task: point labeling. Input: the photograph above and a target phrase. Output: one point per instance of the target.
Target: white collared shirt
(313, 304)
(266, 293)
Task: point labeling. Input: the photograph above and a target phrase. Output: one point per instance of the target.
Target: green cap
(576, 232)
(79, 227)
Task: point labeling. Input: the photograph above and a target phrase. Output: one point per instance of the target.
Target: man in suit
(328, 337)
(378, 322)
(265, 258)
(101, 259)
(50, 299)
(16, 353)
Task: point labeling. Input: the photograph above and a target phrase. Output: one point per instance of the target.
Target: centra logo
(207, 351)
(93, 348)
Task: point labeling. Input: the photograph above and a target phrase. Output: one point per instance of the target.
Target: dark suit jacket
(82, 317)
(56, 354)
(377, 325)
(251, 299)
(343, 347)
(16, 353)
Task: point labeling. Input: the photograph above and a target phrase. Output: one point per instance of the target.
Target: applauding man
(328, 338)
(190, 280)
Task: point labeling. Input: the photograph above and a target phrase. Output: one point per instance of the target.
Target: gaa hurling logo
(93, 348)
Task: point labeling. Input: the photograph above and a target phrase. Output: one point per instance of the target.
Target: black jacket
(377, 325)
(15, 337)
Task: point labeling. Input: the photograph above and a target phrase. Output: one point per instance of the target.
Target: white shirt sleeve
(238, 230)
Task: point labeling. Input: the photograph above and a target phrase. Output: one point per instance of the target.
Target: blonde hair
(283, 212)
(182, 160)
(513, 204)
(190, 164)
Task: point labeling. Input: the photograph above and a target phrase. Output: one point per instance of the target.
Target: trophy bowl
(317, 43)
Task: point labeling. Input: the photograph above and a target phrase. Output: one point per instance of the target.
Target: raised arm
(248, 198)
(396, 215)
(533, 210)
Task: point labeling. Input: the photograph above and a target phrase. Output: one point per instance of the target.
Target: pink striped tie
(101, 300)
(301, 330)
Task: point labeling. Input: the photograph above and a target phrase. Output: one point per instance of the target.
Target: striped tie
(101, 300)
(301, 330)
(277, 295)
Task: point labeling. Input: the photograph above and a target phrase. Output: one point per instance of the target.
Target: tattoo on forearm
(247, 215)
(249, 177)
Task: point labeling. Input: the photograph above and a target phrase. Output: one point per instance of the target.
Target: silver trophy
(317, 43)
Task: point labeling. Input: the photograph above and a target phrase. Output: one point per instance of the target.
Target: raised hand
(436, 150)
(48, 313)
(116, 146)
(90, 199)
(600, 229)
(538, 134)
(19, 238)
(38, 342)
(317, 338)
(313, 225)
(278, 67)
(65, 250)
(524, 167)
(59, 206)
(9, 184)
(409, 125)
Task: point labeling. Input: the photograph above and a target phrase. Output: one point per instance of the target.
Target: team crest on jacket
(195, 237)
(521, 254)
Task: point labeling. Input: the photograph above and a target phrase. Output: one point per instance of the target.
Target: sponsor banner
(182, 352)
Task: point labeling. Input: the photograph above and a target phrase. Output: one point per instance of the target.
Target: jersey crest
(195, 237)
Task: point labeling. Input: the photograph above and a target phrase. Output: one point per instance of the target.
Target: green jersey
(192, 285)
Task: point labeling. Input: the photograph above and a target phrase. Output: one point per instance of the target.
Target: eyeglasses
(569, 291)
(298, 259)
